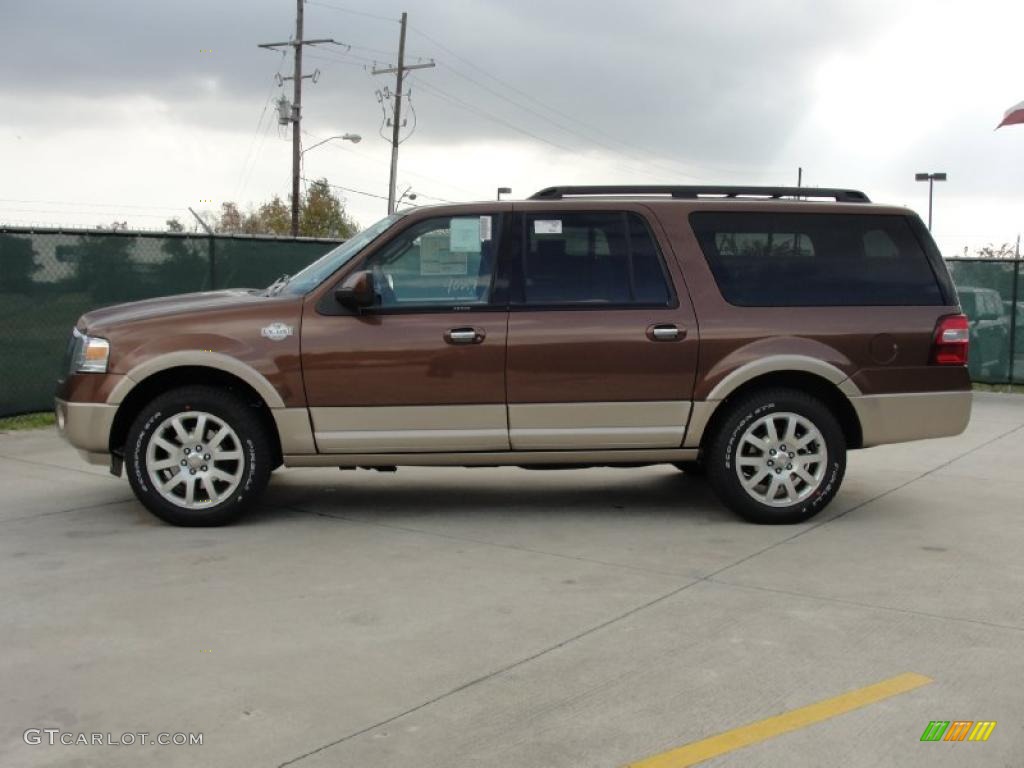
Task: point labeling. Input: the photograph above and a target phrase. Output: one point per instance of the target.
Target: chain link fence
(992, 296)
(49, 277)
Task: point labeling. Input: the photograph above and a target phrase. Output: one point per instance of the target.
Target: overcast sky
(131, 110)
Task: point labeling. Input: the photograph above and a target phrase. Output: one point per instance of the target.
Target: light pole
(504, 191)
(355, 138)
(931, 178)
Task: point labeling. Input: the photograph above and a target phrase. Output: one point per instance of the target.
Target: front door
(424, 368)
(602, 338)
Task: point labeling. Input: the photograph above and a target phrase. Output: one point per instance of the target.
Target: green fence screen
(992, 296)
(50, 277)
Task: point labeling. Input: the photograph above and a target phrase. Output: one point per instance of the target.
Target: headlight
(90, 354)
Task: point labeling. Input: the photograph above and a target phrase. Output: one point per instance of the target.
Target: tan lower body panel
(699, 418)
(86, 425)
(597, 426)
(294, 429)
(490, 458)
(410, 428)
(914, 416)
(94, 457)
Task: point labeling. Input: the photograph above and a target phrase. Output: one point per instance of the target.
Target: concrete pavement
(515, 618)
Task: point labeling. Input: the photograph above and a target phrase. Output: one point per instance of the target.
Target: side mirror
(357, 291)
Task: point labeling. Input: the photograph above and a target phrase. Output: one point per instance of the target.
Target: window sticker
(437, 259)
(464, 236)
(485, 229)
(547, 226)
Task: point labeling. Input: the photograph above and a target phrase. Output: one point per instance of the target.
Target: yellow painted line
(770, 727)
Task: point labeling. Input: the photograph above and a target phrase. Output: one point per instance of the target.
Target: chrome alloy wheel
(194, 459)
(781, 459)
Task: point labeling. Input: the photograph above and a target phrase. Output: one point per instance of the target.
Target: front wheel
(197, 456)
(778, 456)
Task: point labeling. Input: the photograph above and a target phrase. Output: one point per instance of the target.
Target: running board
(491, 459)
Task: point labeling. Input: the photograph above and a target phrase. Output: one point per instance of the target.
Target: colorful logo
(958, 730)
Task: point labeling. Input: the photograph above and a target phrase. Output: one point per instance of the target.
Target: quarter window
(591, 258)
(816, 259)
(439, 262)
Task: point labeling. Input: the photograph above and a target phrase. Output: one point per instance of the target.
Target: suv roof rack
(697, 192)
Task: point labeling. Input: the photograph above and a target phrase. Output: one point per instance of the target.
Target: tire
(695, 468)
(781, 493)
(235, 459)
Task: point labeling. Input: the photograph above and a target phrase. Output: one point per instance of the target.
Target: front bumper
(87, 427)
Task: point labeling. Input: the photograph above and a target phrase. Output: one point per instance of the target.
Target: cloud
(529, 93)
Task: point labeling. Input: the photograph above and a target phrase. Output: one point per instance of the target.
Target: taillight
(951, 338)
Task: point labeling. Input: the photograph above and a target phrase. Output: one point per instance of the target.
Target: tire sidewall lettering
(138, 459)
(728, 450)
(250, 474)
(139, 450)
(730, 446)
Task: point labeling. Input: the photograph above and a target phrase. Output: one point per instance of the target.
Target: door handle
(464, 336)
(665, 332)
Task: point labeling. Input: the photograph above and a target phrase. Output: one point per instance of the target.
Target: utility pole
(296, 116)
(399, 72)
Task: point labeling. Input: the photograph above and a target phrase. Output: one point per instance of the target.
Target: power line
(353, 11)
(372, 194)
(94, 205)
(245, 175)
(567, 129)
(369, 159)
(336, 54)
(440, 93)
(433, 90)
(671, 174)
(90, 213)
(334, 60)
(349, 189)
(637, 150)
(405, 172)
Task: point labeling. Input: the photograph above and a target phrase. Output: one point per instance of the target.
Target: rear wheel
(197, 456)
(778, 456)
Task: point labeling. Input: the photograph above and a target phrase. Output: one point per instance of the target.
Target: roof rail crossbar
(698, 192)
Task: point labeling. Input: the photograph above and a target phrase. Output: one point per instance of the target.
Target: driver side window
(439, 262)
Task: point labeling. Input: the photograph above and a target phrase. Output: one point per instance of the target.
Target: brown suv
(752, 333)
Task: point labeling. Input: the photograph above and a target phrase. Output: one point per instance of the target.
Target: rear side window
(591, 258)
(813, 259)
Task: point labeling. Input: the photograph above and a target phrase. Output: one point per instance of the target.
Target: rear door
(602, 340)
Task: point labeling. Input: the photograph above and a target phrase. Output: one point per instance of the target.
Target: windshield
(309, 278)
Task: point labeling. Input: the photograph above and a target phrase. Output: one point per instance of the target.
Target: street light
(407, 194)
(355, 138)
(504, 191)
(931, 178)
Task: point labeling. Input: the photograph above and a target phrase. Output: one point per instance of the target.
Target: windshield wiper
(275, 287)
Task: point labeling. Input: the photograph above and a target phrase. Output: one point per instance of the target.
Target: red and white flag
(1014, 115)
